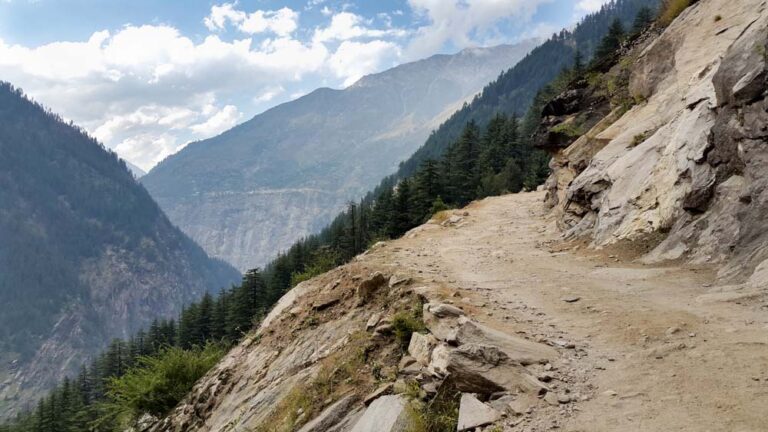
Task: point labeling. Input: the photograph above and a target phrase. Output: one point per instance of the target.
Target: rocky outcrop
(685, 168)
(347, 351)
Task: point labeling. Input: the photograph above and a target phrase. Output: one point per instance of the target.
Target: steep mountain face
(253, 190)
(86, 255)
(684, 168)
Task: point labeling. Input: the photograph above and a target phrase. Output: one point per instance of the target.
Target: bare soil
(643, 352)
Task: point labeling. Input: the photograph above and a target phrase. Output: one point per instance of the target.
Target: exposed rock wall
(688, 164)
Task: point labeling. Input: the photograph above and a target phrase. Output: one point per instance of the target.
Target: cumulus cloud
(218, 122)
(346, 26)
(144, 85)
(147, 90)
(463, 22)
(352, 60)
(281, 22)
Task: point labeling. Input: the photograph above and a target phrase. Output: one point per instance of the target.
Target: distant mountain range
(253, 190)
(86, 255)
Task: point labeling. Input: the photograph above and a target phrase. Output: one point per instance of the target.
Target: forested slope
(86, 254)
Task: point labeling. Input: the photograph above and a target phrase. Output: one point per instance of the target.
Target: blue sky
(146, 77)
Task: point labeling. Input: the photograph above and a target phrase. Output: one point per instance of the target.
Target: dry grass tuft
(671, 9)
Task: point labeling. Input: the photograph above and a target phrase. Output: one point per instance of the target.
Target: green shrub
(404, 324)
(159, 382)
(570, 129)
(441, 414)
(671, 9)
(322, 261)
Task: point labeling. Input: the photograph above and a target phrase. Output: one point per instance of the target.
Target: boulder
(517, 349)
(483, 369)
(473, 413)
(444, 310)
(330, 416)
(369, 286)
(385, 414)
(420, 347)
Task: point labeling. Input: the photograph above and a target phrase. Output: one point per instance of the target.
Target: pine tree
(612, 40)
(578, 63)
(643, 19)
(402, 219)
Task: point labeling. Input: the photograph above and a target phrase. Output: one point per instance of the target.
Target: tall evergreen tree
(612, 40)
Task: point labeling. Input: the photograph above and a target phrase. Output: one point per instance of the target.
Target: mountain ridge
(311, 143)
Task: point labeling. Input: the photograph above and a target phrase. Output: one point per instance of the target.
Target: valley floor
(641, 349)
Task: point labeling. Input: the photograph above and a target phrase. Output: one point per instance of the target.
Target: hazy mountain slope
(86, 255)
(514, 91)
(137, 172)
(256, 188)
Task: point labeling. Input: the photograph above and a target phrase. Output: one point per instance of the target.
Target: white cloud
(218, 122)
(147, 90)
(269, 94)
(281, 22)
(144, 85)
(589, 6)
(346, 26)
(352, 60)
(463, 22)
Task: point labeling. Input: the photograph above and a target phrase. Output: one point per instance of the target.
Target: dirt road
(640, 351)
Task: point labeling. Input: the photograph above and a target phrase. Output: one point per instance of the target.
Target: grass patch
(638, 139)
(404, 324)
(570, 129)
(671, 9)
(441, 414)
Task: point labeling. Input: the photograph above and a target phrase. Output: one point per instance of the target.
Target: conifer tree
(612, 40)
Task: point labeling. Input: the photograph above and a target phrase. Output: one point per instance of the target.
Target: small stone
(672, 330)
(545, 378)
(551, 398)
(563, 398)
(571, 299)
(610, 393)
(384, 329)
(405, 362)
(691, 334)
(474, 414)
(373, 321)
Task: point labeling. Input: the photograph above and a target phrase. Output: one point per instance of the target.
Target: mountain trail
(640, 347)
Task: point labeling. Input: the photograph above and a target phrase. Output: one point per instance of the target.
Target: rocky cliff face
(684, 167)
(254, 190)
